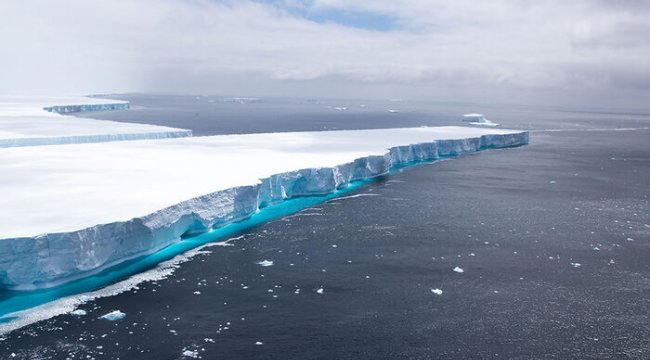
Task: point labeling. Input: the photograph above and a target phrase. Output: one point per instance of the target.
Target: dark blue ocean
(553, 240)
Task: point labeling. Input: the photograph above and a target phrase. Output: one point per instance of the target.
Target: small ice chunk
(191, 353)
(259, 343)
(197, 293)
(265, 263)
(79, 312)
(436, 291)
(575, 264)
(320, 291)
(459, 270)
(86, 298)
(113, 316)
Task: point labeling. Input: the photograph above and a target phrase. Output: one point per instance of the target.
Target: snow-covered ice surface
(32, 121)
(75, 209)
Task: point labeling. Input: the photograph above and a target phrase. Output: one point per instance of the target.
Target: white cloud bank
(447, 49)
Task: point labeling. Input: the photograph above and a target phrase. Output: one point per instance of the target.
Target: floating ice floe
(79, 312)
(436, 291)
(320, 291)
(265, 263)
(191, 353)
(113, 316)
(459, 270)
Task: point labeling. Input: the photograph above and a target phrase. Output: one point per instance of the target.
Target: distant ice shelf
(64, 109)
(38, 120)
(72, 210)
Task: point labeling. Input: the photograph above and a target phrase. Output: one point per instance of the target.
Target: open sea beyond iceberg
(500, 254)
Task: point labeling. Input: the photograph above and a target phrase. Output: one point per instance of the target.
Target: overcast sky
(501, 50)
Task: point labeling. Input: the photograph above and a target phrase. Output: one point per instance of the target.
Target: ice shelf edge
(52, 259)
(83, 139)
(66, 109)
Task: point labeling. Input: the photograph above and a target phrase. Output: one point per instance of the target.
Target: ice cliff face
(51, 259)
(64, 109)
(81, 139)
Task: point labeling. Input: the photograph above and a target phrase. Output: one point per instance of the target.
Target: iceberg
(478, 119)
(36, 121)
(73, 210)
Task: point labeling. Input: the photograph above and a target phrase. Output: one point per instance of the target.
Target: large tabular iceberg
(70, 210)
(32, 121)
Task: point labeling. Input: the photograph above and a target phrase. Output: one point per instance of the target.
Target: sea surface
(534, 252)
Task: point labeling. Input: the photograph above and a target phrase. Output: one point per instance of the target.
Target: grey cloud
(460, 48)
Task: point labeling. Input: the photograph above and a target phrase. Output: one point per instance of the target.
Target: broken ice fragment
(113, 316)
(265, 263)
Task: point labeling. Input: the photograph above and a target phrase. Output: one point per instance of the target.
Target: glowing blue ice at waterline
(15, 302)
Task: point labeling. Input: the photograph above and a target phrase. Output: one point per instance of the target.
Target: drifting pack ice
(72, 210)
